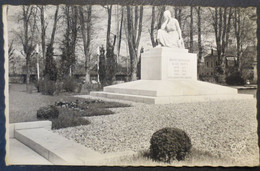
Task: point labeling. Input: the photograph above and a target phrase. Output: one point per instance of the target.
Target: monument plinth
(168, 64)
(169, 75)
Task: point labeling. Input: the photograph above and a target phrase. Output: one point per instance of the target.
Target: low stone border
(28, 125)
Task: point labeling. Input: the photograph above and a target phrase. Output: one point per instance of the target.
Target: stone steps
(55, 148)
(169, 99)
(128, 97)
(169, 91)
(158, 88)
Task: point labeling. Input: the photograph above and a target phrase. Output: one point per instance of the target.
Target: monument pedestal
(168, 64)
(169, 75)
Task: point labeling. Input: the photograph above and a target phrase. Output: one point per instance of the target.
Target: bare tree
(133, 36)
(244, 26)
(86, 35)
(110, 46)
(50, 71)
(221, 22)
(70, 39)
(28, 36)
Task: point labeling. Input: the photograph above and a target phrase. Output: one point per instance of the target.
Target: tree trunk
(191, 29)
(54, 26)
(237, 23)
(26, 25)
(228, 27)
(51, 71)
(139, 28)
(152, 27)
(217, 29)
(133, 42)
(199, 34)
(224, 31)
(132, 51)
(43, 32)
(109, 12)
(135, 23)
(28, 40)
(177, 14)
(86, 39)
(89, 24)
(161, 11)
(74, 29)
(219, 26)
(120, 32)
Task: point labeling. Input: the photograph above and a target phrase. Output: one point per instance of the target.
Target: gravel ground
(226, 129)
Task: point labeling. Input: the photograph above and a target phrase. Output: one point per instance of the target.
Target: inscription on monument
(179, 68)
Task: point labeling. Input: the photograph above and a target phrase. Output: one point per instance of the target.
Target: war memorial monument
(169, 74)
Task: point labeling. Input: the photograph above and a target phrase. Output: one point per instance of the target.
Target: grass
(24, 106)
(194, 158)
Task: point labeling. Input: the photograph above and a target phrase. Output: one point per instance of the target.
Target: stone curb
(28, 125)
(57, 149)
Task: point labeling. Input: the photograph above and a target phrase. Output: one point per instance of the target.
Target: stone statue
(170, 33)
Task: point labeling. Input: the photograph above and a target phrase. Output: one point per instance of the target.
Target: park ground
(222, 132)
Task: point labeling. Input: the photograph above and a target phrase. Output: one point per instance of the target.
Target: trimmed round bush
(48, 112)
(169, 144)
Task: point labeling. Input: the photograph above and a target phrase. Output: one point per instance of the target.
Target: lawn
(24, 106)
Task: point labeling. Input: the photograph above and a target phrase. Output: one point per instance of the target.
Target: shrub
(48, 112)
(110, 64)
(47, 87)
(65, 121)
(102, 66)
(169, 143)
(70, 84)
(50, 71)
(235, 79)
(88, 87)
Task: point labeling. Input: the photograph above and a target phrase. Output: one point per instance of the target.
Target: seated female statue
(170, 33)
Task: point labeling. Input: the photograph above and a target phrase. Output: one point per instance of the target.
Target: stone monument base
(169, 91)
(169, 75)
